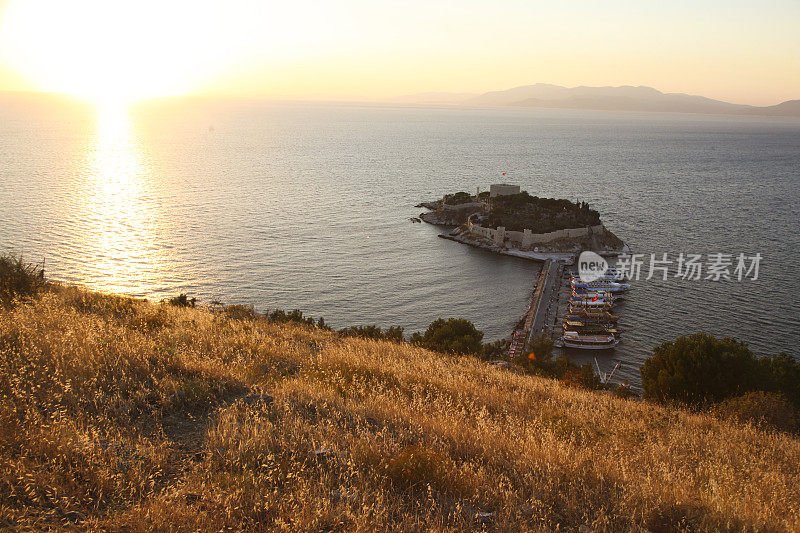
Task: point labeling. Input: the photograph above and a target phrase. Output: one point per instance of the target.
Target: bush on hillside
(762, 409)
(517, 212)
(492, 350)
(780, 373)
(296, 316)
(581, 377)
(541, 347)
(241, 312)
(542, 362)
(454, 335)
(393, 333)
(182, 301)
(18, 280)
(623, 391)
(700, 370)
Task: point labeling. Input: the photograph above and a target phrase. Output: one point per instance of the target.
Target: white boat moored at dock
(573, 339)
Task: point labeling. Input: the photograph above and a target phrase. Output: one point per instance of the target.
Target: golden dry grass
(122, 415)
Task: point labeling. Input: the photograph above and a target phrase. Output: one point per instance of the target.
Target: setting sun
(115, 52)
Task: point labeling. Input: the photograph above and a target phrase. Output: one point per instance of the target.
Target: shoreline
(567, 258)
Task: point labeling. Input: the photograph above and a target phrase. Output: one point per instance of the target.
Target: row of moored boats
(590, 323)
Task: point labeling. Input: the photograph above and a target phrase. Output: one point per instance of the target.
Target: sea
(309, 206)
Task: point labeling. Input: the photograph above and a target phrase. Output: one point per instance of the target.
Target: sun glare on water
(114, 52)
(118, 221)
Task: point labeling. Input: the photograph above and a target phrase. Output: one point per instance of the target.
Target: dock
(540, 308)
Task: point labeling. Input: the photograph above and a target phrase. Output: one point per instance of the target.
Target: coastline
(567, 258)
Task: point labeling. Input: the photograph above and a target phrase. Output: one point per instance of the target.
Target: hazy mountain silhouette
(789, 108)
(624, 98)
(433, 98)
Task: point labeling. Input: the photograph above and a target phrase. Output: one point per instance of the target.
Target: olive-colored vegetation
(458, 198)
(182, 301)
(18, 280)
(454, 335)
(123, 415)
(517, 212)
(724, 376)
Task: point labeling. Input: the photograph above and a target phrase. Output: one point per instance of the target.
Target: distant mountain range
(624, 98)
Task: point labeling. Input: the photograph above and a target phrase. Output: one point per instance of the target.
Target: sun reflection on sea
(118, 220)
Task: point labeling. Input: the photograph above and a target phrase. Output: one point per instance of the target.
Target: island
(506, 220)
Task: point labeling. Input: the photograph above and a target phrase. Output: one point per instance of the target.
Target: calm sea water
(308, 206)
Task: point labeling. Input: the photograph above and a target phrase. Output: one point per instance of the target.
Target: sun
(113, 52)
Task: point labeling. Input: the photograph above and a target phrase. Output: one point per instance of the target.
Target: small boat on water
(597, 314)
(613, 274)
(601, 285)
(575, 339)
(589, 303)
(582, 321)
(592, 329)
(589, 294)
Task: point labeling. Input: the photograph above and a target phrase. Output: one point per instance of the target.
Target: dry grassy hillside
(123, 415)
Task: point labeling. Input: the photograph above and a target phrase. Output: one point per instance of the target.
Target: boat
(581, 321)
(589, 303)
(598, 314)
(592, 329)
(610, 286)
(575, 339)
(613, 274)
(589, 294)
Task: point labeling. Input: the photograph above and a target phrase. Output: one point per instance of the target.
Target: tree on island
(454, 335)
(458, 198)
(520, 211)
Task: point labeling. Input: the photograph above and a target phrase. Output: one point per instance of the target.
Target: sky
(739, 51)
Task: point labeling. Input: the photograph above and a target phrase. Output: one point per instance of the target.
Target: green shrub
(698, 370)
(182, 301)
(541, 347)
(623, 391)
(457, 198)
(781, 373)
(455, 335)
(394, 333)
(765, 409)
(581, 377)
(520, 211)
(494, 349)
(295, 316)
(18, 280)
(241, 312)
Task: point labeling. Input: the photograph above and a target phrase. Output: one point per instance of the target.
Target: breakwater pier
(542, 305)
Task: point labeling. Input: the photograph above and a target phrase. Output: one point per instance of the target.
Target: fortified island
(506, 220)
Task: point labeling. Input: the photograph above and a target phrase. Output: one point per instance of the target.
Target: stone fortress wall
(527, 239)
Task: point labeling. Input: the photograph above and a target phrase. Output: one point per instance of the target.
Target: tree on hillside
(700, 369)
(765, 409)
(782, 375)
(455, 335)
